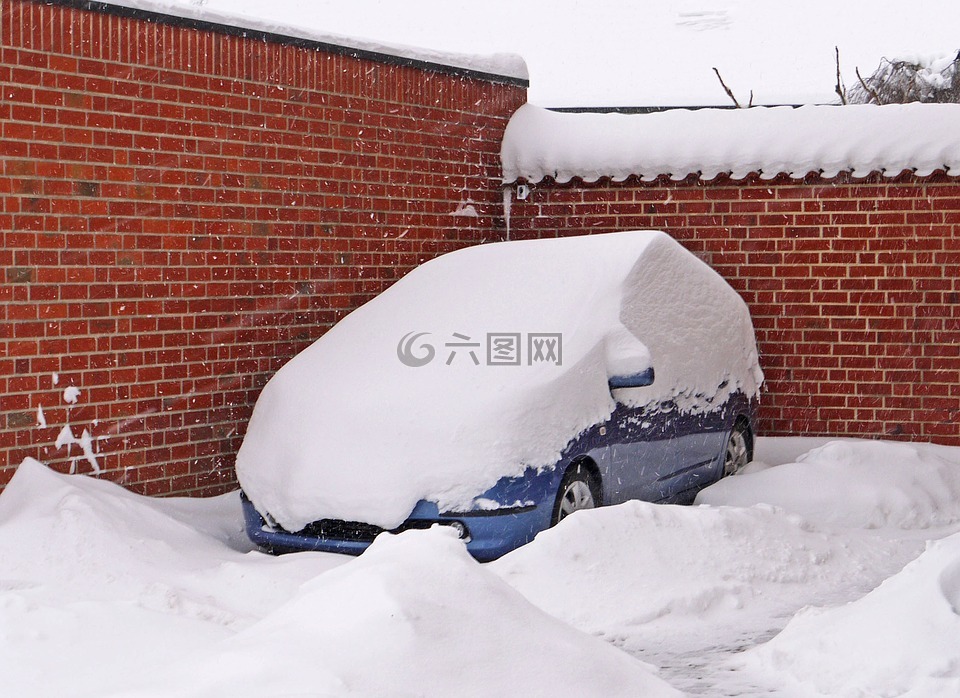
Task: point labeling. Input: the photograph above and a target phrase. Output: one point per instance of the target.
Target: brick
(19, 275)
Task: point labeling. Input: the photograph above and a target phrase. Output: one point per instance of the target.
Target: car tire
(579, 489)
(739, 450)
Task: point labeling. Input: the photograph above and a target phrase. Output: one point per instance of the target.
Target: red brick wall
(854, 287)
(182, 210)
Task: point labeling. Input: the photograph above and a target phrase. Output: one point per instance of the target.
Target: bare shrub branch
(840, 88)
(869, 90)
(729, 91)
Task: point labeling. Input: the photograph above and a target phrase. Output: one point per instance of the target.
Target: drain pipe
(507, 203)
(523, 193)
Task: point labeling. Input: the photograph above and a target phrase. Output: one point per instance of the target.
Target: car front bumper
(488, 533)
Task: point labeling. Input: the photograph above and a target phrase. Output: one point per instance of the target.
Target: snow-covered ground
(828, 568)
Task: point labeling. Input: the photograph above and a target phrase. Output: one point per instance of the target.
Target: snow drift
(99, 586)
(611, 570)
(347, 430)
(899, 640)
(415, 615)
(107, 593)
(856, 483)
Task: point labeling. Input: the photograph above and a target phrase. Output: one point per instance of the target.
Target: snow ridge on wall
(506, 65)
(825, 140)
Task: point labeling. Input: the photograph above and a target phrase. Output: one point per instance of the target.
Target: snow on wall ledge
(827, 140)
(506, 65)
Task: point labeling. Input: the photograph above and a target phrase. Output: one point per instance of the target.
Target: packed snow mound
(88, 532)
(860, 139)
(415, 615)
(100, 540)
(899, 640)
(609, 570)
(508, 65)
(93, 574)
(87, 564)
(856, 483)
(400, 401)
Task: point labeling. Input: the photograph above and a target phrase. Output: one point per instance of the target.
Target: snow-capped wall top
(860, 139)
(511, 67)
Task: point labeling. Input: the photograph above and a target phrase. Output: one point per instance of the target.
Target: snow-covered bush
(910, 79)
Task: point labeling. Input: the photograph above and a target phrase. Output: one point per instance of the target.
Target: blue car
(674, 413)
(667, 459)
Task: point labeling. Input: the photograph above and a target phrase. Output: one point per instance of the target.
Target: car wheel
(739, 450)
(579, 489)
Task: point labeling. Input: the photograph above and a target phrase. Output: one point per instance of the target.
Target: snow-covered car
(499, 388)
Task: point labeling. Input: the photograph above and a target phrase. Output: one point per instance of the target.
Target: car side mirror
(635, 380)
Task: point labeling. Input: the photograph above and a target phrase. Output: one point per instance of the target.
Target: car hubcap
(736, 456)
(577, 496)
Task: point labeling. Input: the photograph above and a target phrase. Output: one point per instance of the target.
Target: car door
(696, 445)
(640, 451)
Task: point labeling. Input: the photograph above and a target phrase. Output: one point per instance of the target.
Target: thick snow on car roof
(524, 337)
